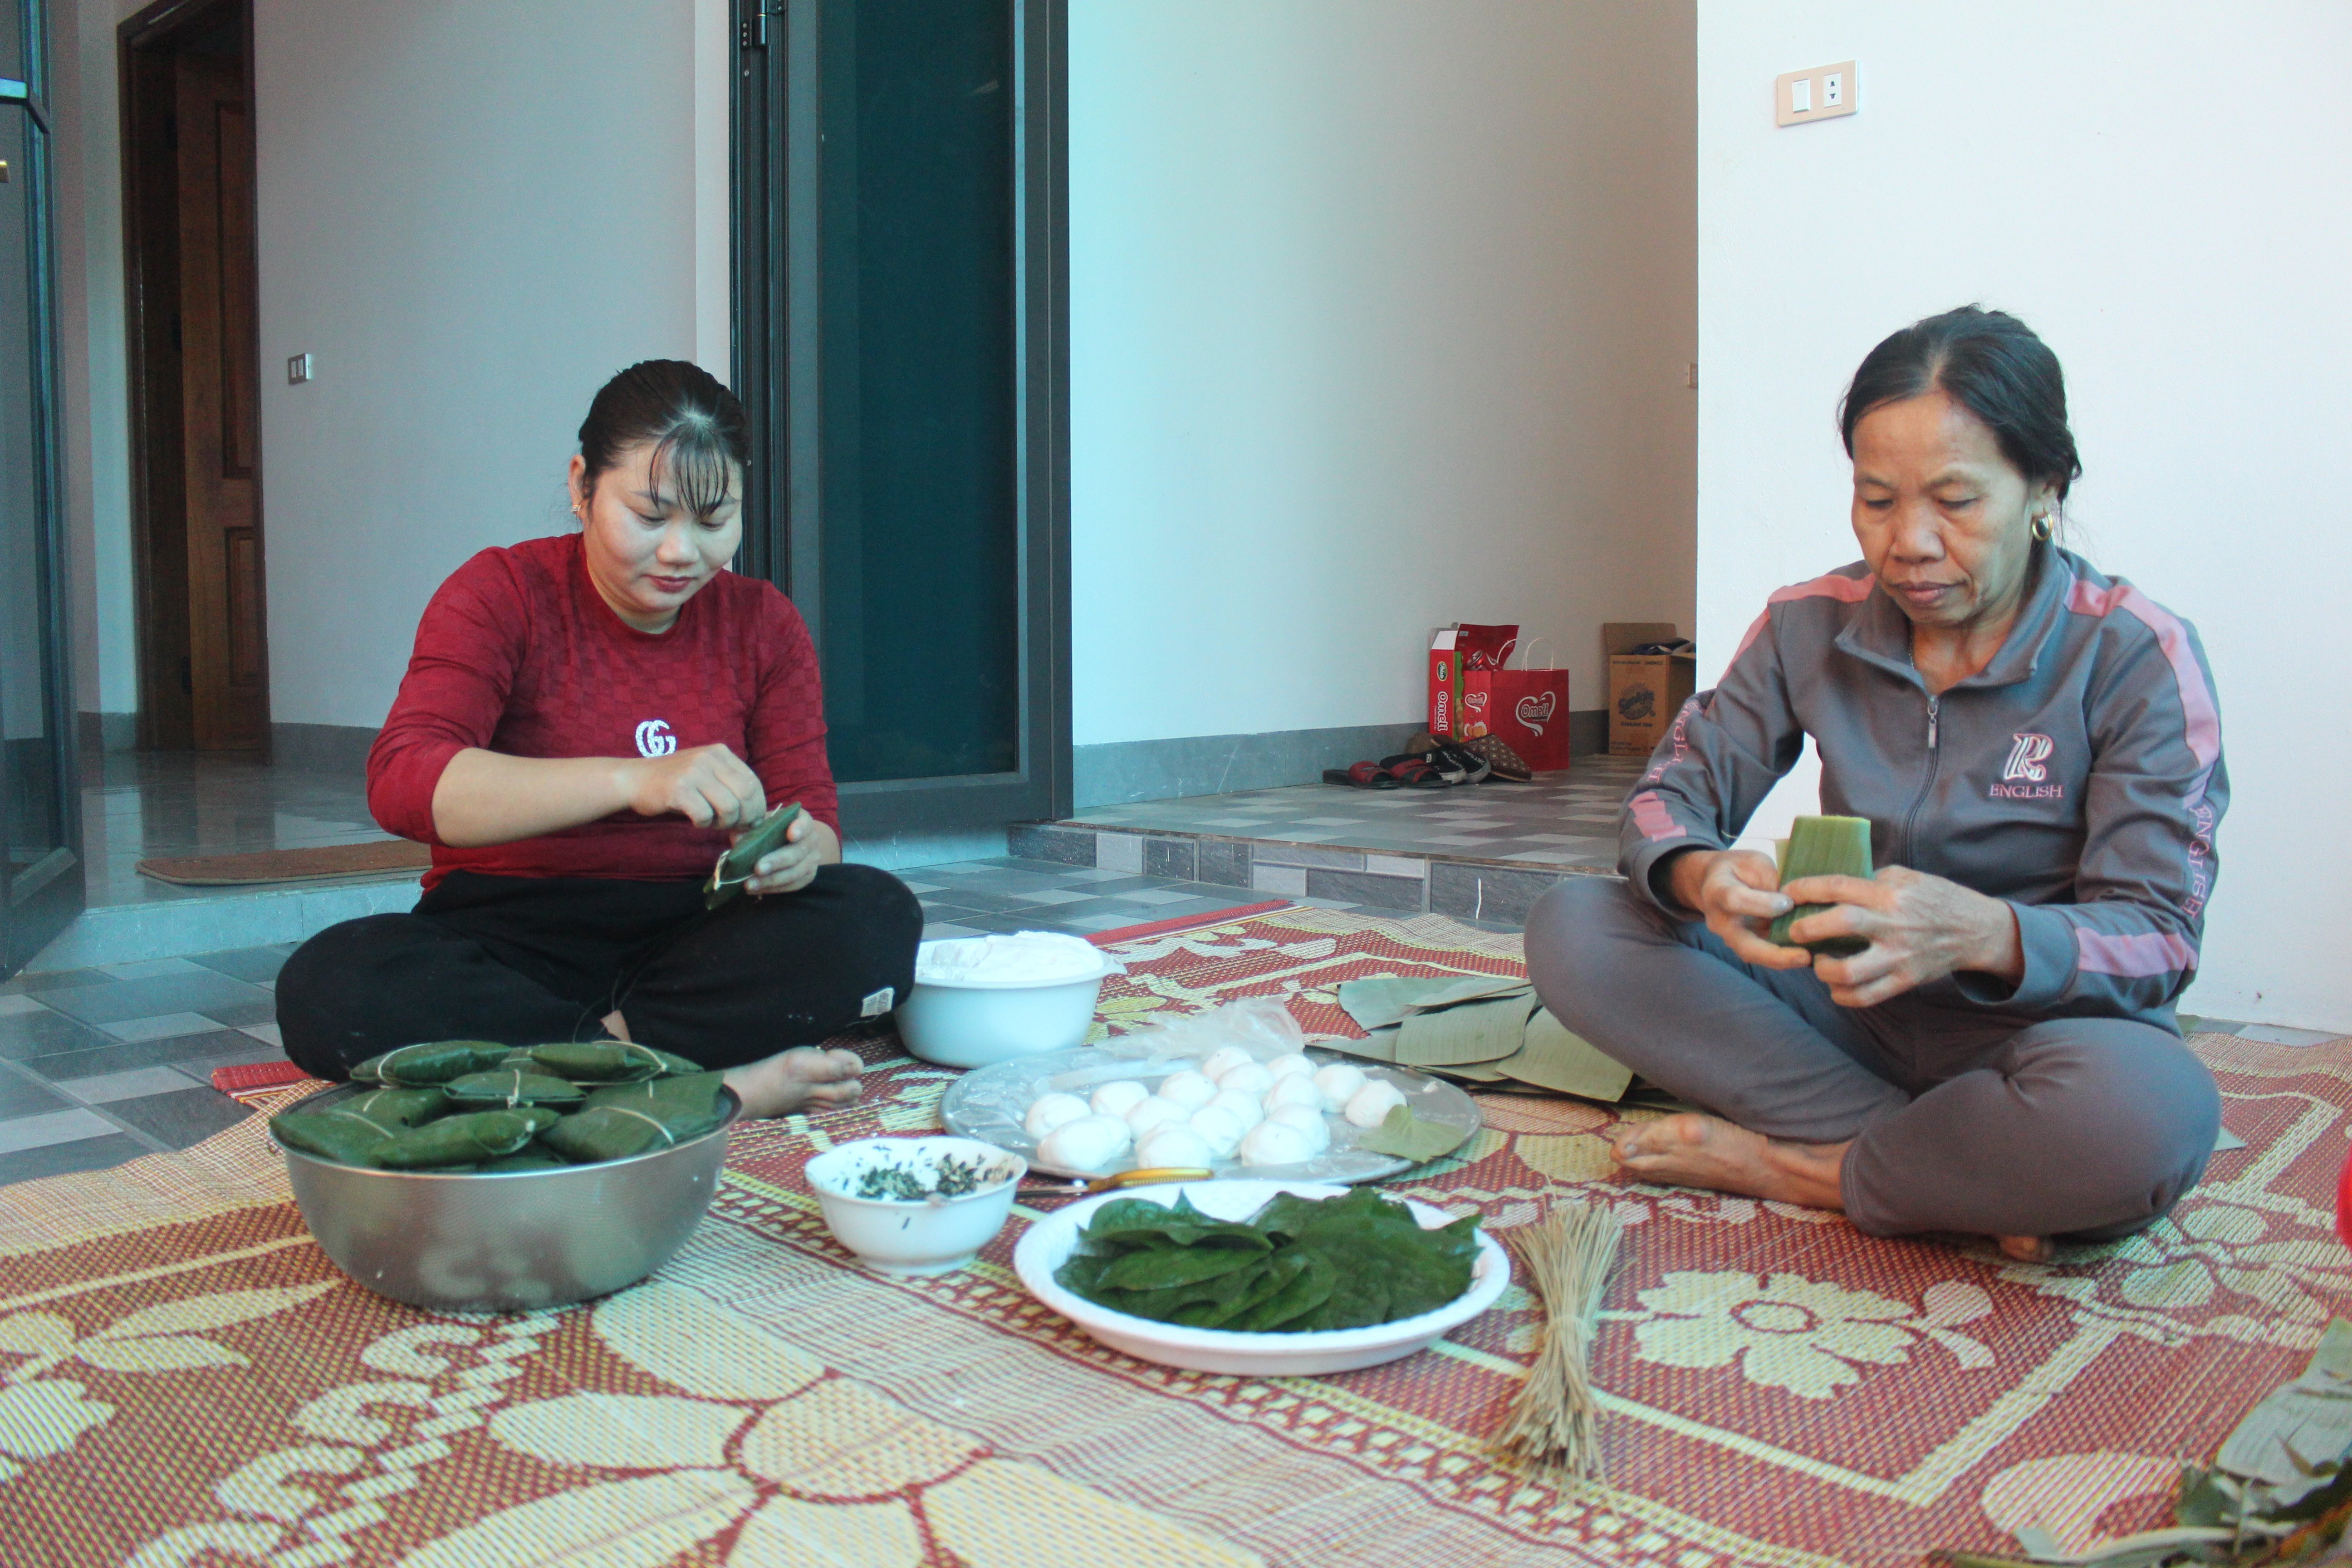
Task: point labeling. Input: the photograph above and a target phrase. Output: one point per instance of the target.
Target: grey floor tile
(52, 1127)
(149, 968)
(251, 964)
(171, 1026)
(238, 1015)
(15, 1002)
(1156, 895)
(164, 993)
(107, 1087)
(27, 1035)
(41, 985)
(265, 1033)
(178, 1120)
(1049, 896)
(22, 1093)
(63, 1159)
(112, 1057)
(951, 931)
(2276, 1035)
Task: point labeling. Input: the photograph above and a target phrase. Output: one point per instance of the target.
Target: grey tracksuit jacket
(2079, 776)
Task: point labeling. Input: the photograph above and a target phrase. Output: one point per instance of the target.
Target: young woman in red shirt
(586, 725)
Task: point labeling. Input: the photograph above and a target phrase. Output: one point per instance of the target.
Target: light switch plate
(1823, 92)
(298, 369)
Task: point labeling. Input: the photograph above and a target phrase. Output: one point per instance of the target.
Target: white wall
(472, 216)
(2158, 190)
(1380, 311)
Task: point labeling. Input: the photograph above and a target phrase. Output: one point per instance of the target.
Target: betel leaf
(1409, 1137)
(1286, 1310)
(1158, 1267)
(1133, 1223)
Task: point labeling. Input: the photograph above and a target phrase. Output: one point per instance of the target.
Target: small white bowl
(1047, 1245)
(928, 1235)
(979, 1022)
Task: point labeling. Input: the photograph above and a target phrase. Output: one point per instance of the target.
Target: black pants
(531, 960)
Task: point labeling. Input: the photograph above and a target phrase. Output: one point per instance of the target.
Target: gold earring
(2041, 527)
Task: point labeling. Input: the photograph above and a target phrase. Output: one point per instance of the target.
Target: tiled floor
(138, 806)
(1566, 820)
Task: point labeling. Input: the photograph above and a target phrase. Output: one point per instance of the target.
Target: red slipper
(1362, 775)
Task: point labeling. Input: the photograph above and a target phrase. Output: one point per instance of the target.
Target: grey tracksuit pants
(1963, 1117)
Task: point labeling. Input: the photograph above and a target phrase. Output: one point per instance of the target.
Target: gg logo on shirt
(654, 739)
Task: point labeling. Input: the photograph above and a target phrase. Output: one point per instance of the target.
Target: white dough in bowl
(1220, 1129)
(1273, 1143)
(1338, 1082)
(1369, 1106)
(1022, 958)
(1053, 1111)
(1249, 1078)
(1090, 1143)
(1152, 1113)
(1294, 1088)
(1296, 1062)
(1188, 1088)
(1308, 1122)
(1119, 1096)
(1223, 1060)
(1174, 1145)
(1239, 1104)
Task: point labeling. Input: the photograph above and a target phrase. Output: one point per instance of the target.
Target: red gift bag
(1526, 709)
(1456, 655)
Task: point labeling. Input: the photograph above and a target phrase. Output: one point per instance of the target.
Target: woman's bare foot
(2027, 1248)
(803, 1079)
(1688, 1150)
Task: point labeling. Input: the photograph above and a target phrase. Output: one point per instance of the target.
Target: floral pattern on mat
(184, 1380)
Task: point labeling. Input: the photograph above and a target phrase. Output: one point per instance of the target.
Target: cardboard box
(1646, 690)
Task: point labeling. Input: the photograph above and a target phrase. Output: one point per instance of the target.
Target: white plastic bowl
(929, 1235)
(1050, 1241)
(979, 1022)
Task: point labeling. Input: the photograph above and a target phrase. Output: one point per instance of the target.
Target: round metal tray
(989, 1105)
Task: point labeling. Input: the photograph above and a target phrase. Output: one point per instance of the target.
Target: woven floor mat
(185, 1379)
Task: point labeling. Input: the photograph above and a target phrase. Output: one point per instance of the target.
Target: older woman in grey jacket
(2039, 753)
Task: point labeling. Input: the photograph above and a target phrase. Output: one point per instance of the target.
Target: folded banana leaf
(370, 1070)
(347, 1131)
(463, 1141)
(414, 1066)
(640, 1118)
(533, 1157)
(511, 1087)
(604, 1061)
(735, 866)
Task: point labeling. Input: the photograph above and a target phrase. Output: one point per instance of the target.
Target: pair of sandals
(1430, 764)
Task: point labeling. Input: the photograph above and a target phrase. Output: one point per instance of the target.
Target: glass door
(900, 326)
(41, 878)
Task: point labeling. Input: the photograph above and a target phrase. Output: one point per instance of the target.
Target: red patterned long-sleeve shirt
(517, 654)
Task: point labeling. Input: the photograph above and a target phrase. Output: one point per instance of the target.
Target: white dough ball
(1369, 1106)
(1241, 1106)
(1174, 1145)
(1188, 1088)
(1338, 1083)
(1223, 1060)
(1283, 1066)
(1090, 1143)
(1117, 1099)
(1220, 1129)
(1249, 1078)
(1309, 1124)
(1294, 1088)
(1273, 1143)
(1154, 1112)
(1053, 1111)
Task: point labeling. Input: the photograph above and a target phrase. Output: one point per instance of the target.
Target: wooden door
(220, 418)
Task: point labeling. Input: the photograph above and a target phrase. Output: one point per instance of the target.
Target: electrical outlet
(1823, 92)
(298, 369)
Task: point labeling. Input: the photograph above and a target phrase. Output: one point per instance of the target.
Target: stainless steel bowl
(473, 1242)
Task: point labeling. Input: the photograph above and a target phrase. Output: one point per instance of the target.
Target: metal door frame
(35, 914)
(776, 246)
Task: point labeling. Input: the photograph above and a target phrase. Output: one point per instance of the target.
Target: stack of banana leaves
(1488, 1030)
(2279, 1491)
(471, 1105)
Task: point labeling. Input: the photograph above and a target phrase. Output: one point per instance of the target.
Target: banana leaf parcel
(464, 1141)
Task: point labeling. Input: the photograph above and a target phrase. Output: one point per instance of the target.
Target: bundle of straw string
(1554, 1426)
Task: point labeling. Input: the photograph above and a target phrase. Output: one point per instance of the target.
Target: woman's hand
(1734, 890)
(808, 844)
(711, 786)
(1920, 928)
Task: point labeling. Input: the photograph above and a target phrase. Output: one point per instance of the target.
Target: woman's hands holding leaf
(1920, 929)
(1735, 890)
(808, 844)
(711, 786)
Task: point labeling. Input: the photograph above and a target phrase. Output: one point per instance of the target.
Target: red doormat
(375, 860)
(1780, 1389)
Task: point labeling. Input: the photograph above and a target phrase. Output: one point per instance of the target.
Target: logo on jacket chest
(654, 739)
(2026, 775)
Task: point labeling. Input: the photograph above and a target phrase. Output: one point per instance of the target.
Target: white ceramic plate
(990, 1104)
(1049, 1243)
